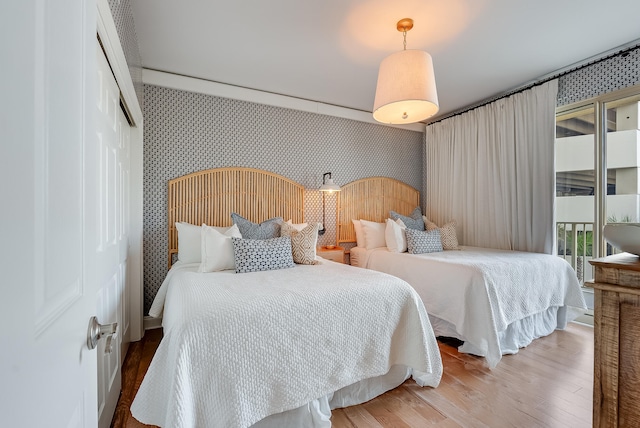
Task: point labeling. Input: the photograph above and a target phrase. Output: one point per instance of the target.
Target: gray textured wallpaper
(618, 72)
(187, 132)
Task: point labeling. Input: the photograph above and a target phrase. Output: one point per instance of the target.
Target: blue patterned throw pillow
(420, 242)
(414, 221)
(249, 230)
(253, 255)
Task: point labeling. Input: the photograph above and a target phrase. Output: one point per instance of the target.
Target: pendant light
(406, 90)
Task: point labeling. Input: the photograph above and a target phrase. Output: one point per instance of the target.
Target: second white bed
(496, 301)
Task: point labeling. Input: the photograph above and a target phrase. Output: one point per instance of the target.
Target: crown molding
(207, 87)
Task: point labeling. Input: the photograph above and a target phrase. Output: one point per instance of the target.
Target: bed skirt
(317, 413)
(518, 334)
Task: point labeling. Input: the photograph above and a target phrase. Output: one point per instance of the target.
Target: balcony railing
(575, 244)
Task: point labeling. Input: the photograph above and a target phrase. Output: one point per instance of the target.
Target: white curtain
(492, 170)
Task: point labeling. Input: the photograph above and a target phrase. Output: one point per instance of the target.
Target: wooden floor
(548, 384)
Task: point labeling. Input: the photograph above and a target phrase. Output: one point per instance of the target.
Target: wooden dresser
(616, 381)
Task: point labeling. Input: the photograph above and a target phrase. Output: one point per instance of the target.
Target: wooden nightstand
(336, 253)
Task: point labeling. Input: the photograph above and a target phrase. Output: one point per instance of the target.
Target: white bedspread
(240, 347)
(482, 291)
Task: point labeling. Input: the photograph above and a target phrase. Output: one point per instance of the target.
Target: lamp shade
(406, 90)
(330, 186)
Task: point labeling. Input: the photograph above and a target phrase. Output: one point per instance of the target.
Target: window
(576, 187)
(597, 174)
(622, 203)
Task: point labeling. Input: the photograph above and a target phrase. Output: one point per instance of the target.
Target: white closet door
(112, 200)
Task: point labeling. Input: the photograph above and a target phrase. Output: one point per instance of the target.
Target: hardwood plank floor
(547, 384)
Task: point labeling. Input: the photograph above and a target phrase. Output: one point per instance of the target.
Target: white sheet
(240, 347)
(494, 300)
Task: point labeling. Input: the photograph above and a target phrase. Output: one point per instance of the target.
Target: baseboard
(585, 319)
(150, 322)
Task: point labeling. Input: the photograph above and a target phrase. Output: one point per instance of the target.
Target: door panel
(48, 374)
(58, 180)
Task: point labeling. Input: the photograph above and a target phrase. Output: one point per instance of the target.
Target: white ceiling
(329, 50)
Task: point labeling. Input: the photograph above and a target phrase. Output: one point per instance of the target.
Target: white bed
(240, 347)
(495, 301)
(279, 347)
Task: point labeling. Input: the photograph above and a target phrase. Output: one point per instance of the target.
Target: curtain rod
(622, 50)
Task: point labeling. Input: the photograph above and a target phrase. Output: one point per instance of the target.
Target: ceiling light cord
(404, 36)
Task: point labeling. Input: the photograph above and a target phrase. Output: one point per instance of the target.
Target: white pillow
(360, 240)
(189, 237)
(297, 226)
(373, 234)
(395, 236)
(217, 248)
(190, 241)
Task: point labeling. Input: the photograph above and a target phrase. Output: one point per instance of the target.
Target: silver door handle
(97, 331)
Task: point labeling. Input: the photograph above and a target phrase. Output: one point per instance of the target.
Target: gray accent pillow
(414, 221)
(420, 242)
(253, 255)
(249, 230)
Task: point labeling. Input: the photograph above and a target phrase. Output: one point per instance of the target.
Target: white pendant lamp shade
(406, 90)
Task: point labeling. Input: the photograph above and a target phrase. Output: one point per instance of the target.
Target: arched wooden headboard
(210, 196)
(371, 199)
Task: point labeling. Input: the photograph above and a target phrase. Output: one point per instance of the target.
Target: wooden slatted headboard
(210, 196)
(371, 199)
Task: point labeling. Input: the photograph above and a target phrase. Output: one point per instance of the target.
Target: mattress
(282, 347)
(496, 301)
